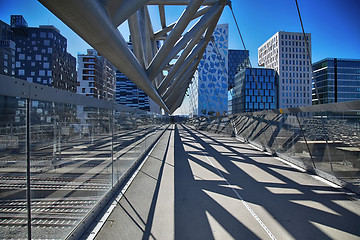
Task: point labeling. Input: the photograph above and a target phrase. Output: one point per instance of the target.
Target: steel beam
(127, 9)
(96, 21)
(159, 34)
(181, 63)
(162, 15)
(180, 80)
(173, 37)
(89, 19)
(161, 60)
(134, 27)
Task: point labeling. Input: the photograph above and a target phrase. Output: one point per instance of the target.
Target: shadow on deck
(197, 185)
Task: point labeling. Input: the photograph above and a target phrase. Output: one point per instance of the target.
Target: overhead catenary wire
(253, 74)
(243, 43)
(315, 86)
(307, 50)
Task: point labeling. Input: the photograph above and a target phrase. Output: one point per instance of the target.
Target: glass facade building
(41, 55)
(286, 53)
(237, 58)
(337, 80)
(127, 93)
(210, 84)
(96, 76)
(7, 50)
(254, 94)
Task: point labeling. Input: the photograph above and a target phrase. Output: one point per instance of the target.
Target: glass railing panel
(259, 134)
(343, 131)
(126, 133)
(13, 204)
(76, 154)
(303, 150)
(316, 132)
(70, 165)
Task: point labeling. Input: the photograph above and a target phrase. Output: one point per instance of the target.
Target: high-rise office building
(96, 76)
(41, 56)
(286, 53)
(238, 59)
(254, 94)
(337, 80)
(210, 84)
(7, 50)
(127, 93)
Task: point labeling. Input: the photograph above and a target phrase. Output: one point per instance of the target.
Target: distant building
(96, 76)
(41, 56)
(286, 53)
(210, 84)
(254, 95)
(7, 50)
(337, 80)
(127, 93)
(237, 58)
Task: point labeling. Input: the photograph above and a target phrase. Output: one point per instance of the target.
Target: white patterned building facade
(208, 91)
(286, 53)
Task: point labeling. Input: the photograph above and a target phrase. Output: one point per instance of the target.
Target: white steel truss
(163, 73)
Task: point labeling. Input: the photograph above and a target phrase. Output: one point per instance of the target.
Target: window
(17, 64)
(42, 73)
(45, 65)
(21, 72)
(22, 56)
(49, 50)
(42, 35)
(47, 42)
(32, 64)
(38, 57)
(83, 90)
(49, 73)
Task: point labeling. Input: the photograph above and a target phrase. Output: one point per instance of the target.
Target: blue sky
(334, 24)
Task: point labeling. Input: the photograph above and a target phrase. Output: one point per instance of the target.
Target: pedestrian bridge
(75, 168)
(201, 185)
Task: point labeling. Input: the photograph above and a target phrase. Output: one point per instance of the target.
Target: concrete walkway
(197, 185)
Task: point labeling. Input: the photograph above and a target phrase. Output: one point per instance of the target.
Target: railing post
(28, 188)
(112, 146)
(303, 134)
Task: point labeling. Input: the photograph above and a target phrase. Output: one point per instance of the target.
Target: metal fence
(62, 155)
(323, 139)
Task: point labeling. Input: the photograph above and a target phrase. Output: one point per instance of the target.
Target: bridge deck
(197, 185)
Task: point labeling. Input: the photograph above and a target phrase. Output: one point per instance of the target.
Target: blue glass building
(250, 95)
(41, 55)
(210, 84)
(127, 93)
(337, 80)
(237, 59)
